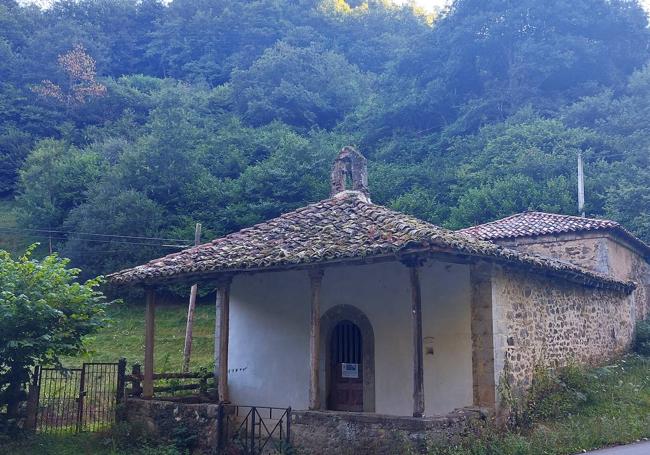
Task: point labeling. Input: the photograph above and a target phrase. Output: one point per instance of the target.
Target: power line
(19, 234)
(134, 237)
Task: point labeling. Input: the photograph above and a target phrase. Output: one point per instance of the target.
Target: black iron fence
(78, 399)
(254, 430)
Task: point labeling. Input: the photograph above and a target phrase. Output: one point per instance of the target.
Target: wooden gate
(79, 399)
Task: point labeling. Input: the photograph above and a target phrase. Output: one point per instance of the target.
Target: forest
(141, 118)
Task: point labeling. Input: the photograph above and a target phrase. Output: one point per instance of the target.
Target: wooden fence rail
(136, 377)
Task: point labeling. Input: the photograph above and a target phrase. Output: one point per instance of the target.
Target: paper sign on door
(350, 370)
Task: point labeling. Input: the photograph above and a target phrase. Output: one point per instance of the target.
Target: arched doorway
(346, 368)
(347, 339)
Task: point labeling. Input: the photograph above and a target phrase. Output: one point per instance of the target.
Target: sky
(429, 5)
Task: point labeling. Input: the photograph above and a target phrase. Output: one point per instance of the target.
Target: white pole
(581, 186)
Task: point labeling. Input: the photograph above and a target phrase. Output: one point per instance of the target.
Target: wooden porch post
(149, 326)
(223, 332)
(416, 323)
(316, 279)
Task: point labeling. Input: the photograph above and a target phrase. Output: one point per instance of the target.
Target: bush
(642, 341)
(553, 394)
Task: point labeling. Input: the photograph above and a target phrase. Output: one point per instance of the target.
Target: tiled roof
(536, 223)
(344, 227)
(531, 224)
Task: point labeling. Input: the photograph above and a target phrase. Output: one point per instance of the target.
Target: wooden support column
(316, 279)
(482, 327)
(416, 323)
(149, 326)
(222, 330)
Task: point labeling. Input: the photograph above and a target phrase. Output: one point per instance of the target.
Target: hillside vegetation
(141, 118)
(124, 337)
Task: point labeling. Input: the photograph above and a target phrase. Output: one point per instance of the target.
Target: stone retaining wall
(169, 421)
(313, 432)
(343, 433)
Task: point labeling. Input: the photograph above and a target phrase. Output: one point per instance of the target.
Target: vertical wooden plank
(149, 326)
(418, 361)
(315, 279)
(189, 326)
(223, 299)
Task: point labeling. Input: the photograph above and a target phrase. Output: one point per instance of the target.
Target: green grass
(124, 337)
(85, 444)
(596, 408)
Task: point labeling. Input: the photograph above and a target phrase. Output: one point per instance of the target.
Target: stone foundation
(312, 432)
(195, 423)
(342, 433)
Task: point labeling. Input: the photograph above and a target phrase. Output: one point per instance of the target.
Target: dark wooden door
(346, 368)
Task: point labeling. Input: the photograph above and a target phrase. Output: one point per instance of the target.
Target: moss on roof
(344, 227)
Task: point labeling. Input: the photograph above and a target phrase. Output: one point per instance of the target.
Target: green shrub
(642, 341)
(557, 393)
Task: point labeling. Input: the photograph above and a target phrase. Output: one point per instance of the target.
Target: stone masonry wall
(588, 252)
(599, 252)
(351, 433)
(312, 432)
(168, 421)
(551, 322)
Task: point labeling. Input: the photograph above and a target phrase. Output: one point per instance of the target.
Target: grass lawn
(85, 444)
(124, 337)
(583, 411)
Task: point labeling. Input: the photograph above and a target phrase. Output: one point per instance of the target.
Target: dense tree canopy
(230, 112)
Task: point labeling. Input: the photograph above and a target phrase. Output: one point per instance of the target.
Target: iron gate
(79, 399)
(253, 430)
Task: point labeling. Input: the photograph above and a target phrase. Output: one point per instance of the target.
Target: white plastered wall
(269, 334)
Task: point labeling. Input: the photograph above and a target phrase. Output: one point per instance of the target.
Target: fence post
(120, 412)
(289, 425)
(80, 399)
(136, 373)
(253, 412)
(32, 400)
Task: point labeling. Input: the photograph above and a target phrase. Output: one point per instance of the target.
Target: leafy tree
(54, 180)
(45, 312)
(112, 211)
(14, 148)
(81, 84)
(304, 87)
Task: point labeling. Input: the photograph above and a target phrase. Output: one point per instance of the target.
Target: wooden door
(346, 368)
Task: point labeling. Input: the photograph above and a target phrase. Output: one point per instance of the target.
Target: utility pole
(581, 186)
(187, 350)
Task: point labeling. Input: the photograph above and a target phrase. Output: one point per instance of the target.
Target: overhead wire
(44, 235)
(56, 231)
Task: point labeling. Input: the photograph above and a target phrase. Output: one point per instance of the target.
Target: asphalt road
(641, 448)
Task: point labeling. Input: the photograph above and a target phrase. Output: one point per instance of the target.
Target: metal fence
(254, 430)
(79, 399)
